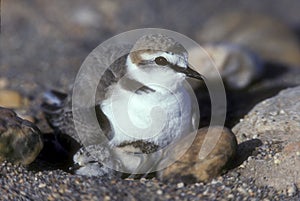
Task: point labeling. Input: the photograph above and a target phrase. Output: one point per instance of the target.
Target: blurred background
(43, 43)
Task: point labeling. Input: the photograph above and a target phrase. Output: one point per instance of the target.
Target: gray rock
(276, 122)
(269, 37)
(280, 114)
(238, 67)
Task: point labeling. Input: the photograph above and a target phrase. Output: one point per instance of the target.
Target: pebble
(10, 99)
(292, 190)
(3, 82)
(276, 161)
(230, 196)
(107, 198)
(242, 190)
(159, 192)
(85, 17)
(42, 185)
(200, 162)
(180, 185)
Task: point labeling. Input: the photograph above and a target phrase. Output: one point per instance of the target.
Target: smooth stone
(275, 121)
(237, 66)
(10, 99)
(3, 82)
(20, 140)
(194, 166)
(25, 116)
(270, 38)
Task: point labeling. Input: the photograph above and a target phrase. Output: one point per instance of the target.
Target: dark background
(43, 43)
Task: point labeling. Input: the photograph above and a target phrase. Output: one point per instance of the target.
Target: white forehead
(175, 59)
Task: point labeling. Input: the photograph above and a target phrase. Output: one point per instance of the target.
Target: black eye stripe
(162, 61)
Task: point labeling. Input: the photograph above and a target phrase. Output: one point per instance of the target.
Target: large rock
(268, 37)
(219, 143)
(20, 140)
(276, 123)
(238, 67)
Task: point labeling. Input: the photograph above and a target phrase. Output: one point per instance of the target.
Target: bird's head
(157, 54)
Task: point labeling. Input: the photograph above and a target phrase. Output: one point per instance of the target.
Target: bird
(143, 104)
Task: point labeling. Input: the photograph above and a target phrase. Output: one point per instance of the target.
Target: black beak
(192, 73)
(189, 72)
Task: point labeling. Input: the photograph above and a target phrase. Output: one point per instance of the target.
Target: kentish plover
(144, 103)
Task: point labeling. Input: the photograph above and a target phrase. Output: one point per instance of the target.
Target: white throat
(163, 76)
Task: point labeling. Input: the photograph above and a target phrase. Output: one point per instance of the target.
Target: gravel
(17, 183)
(40, 39)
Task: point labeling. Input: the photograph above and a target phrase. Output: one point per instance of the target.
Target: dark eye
(162, 61)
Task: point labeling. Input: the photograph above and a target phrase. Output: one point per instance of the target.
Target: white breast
(158, 117)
